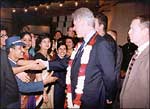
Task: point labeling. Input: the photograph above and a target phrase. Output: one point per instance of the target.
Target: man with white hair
(90, 77)
(136, 86)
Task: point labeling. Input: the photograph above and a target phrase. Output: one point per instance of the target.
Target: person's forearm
(20, 69)
(24, 62)
(58, 65)
(31, 87)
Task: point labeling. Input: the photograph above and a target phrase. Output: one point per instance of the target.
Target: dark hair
(24, 33)
(2, 27)
(60, 44)
(39, 40)
(102, 19)
(69, 27)
(59, 32)
(68, 37)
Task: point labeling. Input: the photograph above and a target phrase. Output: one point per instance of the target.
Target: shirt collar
(89, 36)
(12, 60)
(142, 47)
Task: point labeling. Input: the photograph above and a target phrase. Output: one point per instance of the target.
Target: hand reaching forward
(23, 76)
(49, 79)
(36, 65)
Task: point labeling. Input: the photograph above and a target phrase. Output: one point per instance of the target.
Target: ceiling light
(76, 3)
(60, 4)
(86, 1)
(47, 7)
(35, 8)
(13, 10)
(25, 10)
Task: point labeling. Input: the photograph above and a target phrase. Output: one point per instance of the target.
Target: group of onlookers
(85, 69)
(21, 51)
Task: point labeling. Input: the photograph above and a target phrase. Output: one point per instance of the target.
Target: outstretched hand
(23, 76)
(36, 65)
(49, 79)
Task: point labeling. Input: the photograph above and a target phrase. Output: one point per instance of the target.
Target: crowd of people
(85, 69)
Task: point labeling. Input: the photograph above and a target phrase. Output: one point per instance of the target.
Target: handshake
(34, 65)
(37, 64)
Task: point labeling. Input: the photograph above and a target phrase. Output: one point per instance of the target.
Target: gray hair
(85, 14)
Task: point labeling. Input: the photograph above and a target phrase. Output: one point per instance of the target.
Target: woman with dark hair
(27, 101)
(59, 85)
(70, 45)
(57, 37)
(43, 45)
(27, 39)
(42, 49)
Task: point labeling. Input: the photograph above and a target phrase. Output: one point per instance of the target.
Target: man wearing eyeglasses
(3, 36)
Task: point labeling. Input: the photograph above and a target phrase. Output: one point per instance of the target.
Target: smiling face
(61, 51)
(27, 40)
(45, 44)
(58, 35)
(69, 43)
(71, 32)
(3, 37)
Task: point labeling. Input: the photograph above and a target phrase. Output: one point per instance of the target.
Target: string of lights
(47, 6)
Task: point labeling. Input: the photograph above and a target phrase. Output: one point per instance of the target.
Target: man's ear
(11, 49)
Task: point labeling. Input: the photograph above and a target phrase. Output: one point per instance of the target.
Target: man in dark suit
(113, 33)
(92, 69)
(9, 96)
(101, 22)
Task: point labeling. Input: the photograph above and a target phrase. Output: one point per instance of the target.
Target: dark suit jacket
(100, 75)
(128, 51)
(9, 89)
(59, 85)
(119, 59)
